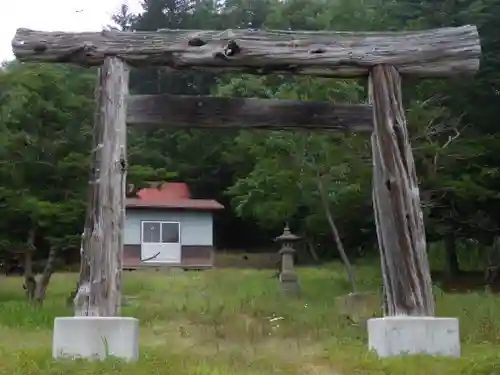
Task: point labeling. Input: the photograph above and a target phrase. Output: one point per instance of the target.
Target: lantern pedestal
(288, 276)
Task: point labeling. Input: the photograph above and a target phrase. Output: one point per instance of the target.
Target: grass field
(223, 322)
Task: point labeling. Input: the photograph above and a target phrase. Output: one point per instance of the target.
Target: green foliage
(45, 132)
(264, 178)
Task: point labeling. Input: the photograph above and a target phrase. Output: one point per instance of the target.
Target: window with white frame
(160, 232)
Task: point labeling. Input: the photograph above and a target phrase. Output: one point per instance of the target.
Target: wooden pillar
(103, 242)
(396, 201)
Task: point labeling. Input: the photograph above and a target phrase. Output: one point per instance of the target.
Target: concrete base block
(95, 337)
(399, 335)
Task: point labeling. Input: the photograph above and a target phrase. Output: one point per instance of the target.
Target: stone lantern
(288, 277)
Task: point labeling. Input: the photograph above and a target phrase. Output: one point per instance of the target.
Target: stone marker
(288, 277)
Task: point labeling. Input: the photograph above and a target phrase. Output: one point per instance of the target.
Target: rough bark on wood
(214, 112)
(79, 301)
(81, 295)
(105, 245)
(398, 215)
(439, 52)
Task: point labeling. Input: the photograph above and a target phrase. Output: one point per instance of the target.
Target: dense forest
(319, 182)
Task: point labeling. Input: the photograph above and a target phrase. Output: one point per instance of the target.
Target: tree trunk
(43, 281)
(312, 250)
(29, 277)
(452, 265)
(35, 289)
(336, 235)
(493, 254)
(396, 201)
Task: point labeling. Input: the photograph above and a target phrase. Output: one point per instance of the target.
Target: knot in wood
(40, 48)
(317, 50)
(80, 55)
(123, 165)
(196, 42)
(232, 48)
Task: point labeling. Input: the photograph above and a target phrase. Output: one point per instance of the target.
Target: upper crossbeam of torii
(430, 53)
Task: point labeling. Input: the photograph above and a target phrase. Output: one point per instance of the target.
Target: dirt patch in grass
(257, 261)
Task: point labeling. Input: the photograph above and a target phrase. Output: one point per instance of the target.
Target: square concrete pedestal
(95, 337)
(399, 335)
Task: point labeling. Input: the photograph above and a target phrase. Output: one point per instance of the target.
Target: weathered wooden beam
(396, 201)
(216, 112)
(103, 245)
(430, 53)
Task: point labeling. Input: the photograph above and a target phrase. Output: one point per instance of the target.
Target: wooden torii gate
(380, 56)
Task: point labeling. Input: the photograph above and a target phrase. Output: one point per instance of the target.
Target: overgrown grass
(221, 322)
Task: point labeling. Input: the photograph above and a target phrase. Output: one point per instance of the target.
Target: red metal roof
(170, 195)
(167, 190)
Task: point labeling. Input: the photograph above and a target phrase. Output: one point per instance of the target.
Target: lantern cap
(287, 235)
